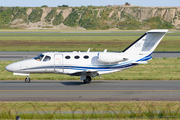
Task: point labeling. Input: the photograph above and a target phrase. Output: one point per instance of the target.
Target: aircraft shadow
(78, 83)
(73, 83)
(67, 83)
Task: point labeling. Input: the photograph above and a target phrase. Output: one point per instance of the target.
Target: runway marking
(89, 90)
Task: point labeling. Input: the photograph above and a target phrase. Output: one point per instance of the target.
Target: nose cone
(12, 67)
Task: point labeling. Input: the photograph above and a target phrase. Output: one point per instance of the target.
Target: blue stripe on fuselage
(97, 67)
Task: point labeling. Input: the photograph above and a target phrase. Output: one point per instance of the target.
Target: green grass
(156, 69)
(53, 42)
(126, 109)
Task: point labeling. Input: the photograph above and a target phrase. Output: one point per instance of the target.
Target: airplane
(90, 64)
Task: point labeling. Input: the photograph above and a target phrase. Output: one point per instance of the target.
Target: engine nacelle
(110, 57)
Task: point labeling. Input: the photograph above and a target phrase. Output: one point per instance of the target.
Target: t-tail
(90, 64)
(147, 43)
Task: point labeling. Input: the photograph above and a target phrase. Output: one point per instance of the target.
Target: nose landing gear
(27, 80)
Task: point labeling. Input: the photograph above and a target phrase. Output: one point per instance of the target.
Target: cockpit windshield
(39, 57)
(47, 58)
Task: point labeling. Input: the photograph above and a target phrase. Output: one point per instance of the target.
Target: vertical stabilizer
(147, 43)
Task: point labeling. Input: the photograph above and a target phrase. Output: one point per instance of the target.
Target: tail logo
(149, 45)
(146, 45)
(138, 44)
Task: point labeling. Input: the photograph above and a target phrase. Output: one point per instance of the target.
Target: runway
(109, 90)
(14, 56)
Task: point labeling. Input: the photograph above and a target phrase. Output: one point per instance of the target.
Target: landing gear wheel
(87, 80)
(27, 80)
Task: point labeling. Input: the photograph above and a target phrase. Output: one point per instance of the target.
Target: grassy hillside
(91, 18)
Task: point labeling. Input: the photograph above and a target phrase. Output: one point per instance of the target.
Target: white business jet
(90, 64)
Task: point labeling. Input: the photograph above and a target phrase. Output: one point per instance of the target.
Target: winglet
(88, 49)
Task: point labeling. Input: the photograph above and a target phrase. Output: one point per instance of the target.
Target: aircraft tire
(27, 80)
(87, 80)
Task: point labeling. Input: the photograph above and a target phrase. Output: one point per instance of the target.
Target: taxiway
(14, 56)
(109, 90)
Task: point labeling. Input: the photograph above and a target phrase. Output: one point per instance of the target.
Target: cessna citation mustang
(90, 64)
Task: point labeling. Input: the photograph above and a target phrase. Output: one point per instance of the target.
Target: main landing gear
(27, 80)
(87, 80)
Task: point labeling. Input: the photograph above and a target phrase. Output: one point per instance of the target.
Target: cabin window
(39, 57)
(86, 57)
(76, 57)
(67, 57)
(47, 58)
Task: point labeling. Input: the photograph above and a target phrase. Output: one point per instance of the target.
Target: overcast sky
(55, 3)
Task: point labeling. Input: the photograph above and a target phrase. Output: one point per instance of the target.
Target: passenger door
(58, 63)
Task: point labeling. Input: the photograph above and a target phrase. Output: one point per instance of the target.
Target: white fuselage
(91, 64)
(71, 63)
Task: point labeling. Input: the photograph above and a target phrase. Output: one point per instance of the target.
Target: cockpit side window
(47, 58)
(39, 57)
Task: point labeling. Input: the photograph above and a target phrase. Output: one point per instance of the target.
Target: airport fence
(89, 111)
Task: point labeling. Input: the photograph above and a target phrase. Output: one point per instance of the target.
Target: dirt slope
(110, 17)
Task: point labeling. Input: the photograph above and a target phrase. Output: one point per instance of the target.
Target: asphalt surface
(96, 91)
(111, 90)
(61, 33)
(14, 56)
(13, 90)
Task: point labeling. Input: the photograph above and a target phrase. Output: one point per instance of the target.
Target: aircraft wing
(140, 62)
(83, 74)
